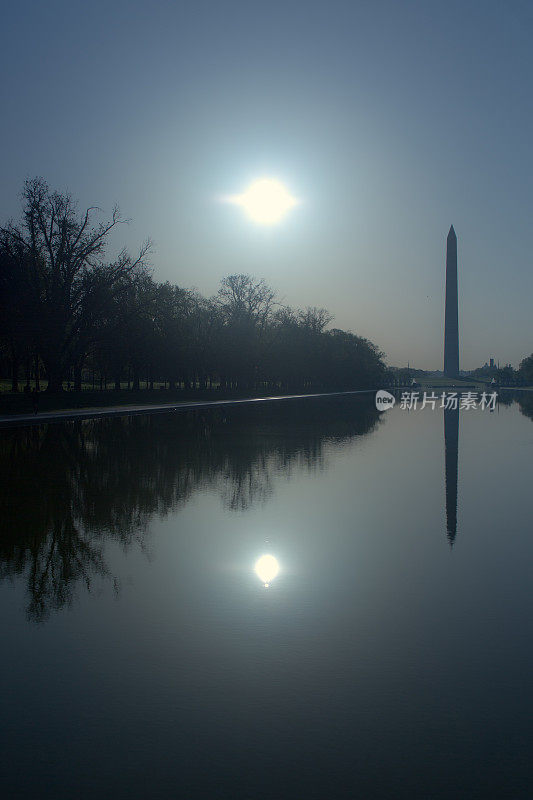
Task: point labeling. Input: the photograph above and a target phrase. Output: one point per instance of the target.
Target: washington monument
(451, 322)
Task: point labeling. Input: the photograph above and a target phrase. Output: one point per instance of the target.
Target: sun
(266, 201)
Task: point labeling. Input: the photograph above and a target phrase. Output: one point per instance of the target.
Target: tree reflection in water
(66, 489)
(525, 403)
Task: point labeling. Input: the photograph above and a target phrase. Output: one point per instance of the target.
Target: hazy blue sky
(391, 120)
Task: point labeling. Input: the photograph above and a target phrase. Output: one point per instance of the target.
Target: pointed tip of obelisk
(451, 233)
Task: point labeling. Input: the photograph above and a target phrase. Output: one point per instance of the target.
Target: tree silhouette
(69, 283)
(63, 305)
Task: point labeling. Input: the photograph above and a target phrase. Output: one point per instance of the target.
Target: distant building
(492, 363)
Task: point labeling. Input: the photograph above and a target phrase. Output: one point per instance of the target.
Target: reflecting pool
(306, 599)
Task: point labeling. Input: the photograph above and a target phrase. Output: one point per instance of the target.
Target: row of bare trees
(64, 308)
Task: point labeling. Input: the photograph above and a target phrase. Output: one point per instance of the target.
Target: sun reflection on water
(266, 568)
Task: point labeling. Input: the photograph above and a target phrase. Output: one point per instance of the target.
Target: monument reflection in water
(451, 459)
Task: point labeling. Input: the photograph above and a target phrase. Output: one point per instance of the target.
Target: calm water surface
(391, 657)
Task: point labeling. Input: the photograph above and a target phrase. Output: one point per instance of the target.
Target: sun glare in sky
(266, 201)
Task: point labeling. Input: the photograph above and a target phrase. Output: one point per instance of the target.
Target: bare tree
(245, 299)
(69, 279)
(314, 319)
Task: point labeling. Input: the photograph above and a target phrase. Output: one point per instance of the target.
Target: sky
(388, 120)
